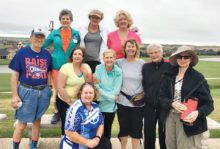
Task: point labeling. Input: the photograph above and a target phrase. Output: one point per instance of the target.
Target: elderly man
(152, 72)
(31, 97)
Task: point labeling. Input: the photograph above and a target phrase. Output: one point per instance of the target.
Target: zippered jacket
(59, 57)
(152, 73)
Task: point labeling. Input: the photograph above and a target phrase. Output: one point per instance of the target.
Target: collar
(84, 106)
(158, 64)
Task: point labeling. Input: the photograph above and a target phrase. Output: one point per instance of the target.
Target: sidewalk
(53, 143)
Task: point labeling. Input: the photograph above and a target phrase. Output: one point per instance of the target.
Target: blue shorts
(34, 103)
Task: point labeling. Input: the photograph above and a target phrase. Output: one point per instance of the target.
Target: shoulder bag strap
(194, 89)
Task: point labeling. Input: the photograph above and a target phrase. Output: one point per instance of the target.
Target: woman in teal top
(64, 40)
(59, 56)
(110, 77)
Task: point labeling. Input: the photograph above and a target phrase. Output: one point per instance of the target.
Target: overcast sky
(162, 21)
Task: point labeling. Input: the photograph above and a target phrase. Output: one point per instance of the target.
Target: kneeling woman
(84, 123)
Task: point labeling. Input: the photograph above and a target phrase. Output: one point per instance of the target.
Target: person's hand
(14, 102)
(179, 107)
(88, 77)
(116, 98)
(134, 29)
(91, 143)
(97, 140)
(192, 117)
(94, 80)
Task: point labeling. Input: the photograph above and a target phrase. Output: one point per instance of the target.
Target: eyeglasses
(95, 17)
(90, 83)
(183, 57)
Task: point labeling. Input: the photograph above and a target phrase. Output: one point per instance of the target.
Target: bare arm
(77, 138)
(49, 78)
(99, 133)
(87, 75)
(61, 82)
(14, 88)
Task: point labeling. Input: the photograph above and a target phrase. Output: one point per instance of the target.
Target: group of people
(96, 74)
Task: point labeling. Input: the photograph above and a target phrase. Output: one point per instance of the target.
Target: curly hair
(66, 12)
(128, 16)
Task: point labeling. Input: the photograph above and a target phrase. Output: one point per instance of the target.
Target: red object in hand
(191, 103)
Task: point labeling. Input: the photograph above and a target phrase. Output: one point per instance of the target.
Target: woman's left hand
(94, 80)
(192, 117)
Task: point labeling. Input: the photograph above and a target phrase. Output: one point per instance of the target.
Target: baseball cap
(38, 31)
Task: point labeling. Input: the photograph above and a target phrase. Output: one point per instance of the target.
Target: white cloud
(182, 21)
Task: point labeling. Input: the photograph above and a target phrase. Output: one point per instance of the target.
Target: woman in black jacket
(175, 85)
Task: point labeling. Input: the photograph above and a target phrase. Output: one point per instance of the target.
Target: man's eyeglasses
(183, 57)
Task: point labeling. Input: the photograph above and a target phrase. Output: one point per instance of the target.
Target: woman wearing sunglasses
(93, 37)
(184, 133)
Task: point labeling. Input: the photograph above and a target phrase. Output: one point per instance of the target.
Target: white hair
(155, 45)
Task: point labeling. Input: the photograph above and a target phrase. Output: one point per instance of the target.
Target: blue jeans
(34, 103)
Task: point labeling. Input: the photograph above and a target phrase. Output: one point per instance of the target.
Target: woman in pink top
(117, 38)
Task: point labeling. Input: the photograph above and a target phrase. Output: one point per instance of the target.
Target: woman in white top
(94, 38)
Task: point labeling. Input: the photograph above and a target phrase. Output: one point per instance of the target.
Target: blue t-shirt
(85, 122)
(32, 66)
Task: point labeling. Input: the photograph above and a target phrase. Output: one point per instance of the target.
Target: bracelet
(98, 137)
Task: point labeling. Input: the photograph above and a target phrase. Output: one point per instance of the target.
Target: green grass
(209, 69)
(4, 62)
(5, 79)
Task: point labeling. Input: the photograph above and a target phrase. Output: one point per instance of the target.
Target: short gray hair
(156, 45)
(66, 12)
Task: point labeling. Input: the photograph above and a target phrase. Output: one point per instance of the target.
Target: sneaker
(55, 118)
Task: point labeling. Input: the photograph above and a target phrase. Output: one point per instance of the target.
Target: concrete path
(53, 143)
(213, 59)
(5, 69)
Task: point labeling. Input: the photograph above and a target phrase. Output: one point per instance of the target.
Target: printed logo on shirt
(36, 68)
(93, 117)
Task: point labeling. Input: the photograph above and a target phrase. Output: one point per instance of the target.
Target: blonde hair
(128, 16)
(109, 51)
(96, 12)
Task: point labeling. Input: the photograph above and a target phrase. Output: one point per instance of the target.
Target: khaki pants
(177, 139)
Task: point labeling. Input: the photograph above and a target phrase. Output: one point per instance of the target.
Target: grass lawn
(209, 69)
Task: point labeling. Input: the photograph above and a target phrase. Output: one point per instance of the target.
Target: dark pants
(62, 108)
(151, 116)
(130, 121)
(93, 64)
(108, 120)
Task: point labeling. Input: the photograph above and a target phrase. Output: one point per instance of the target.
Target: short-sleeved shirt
(73, 81)
(83, 121)
(32, 66)
(115, 43)
(131, 80)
